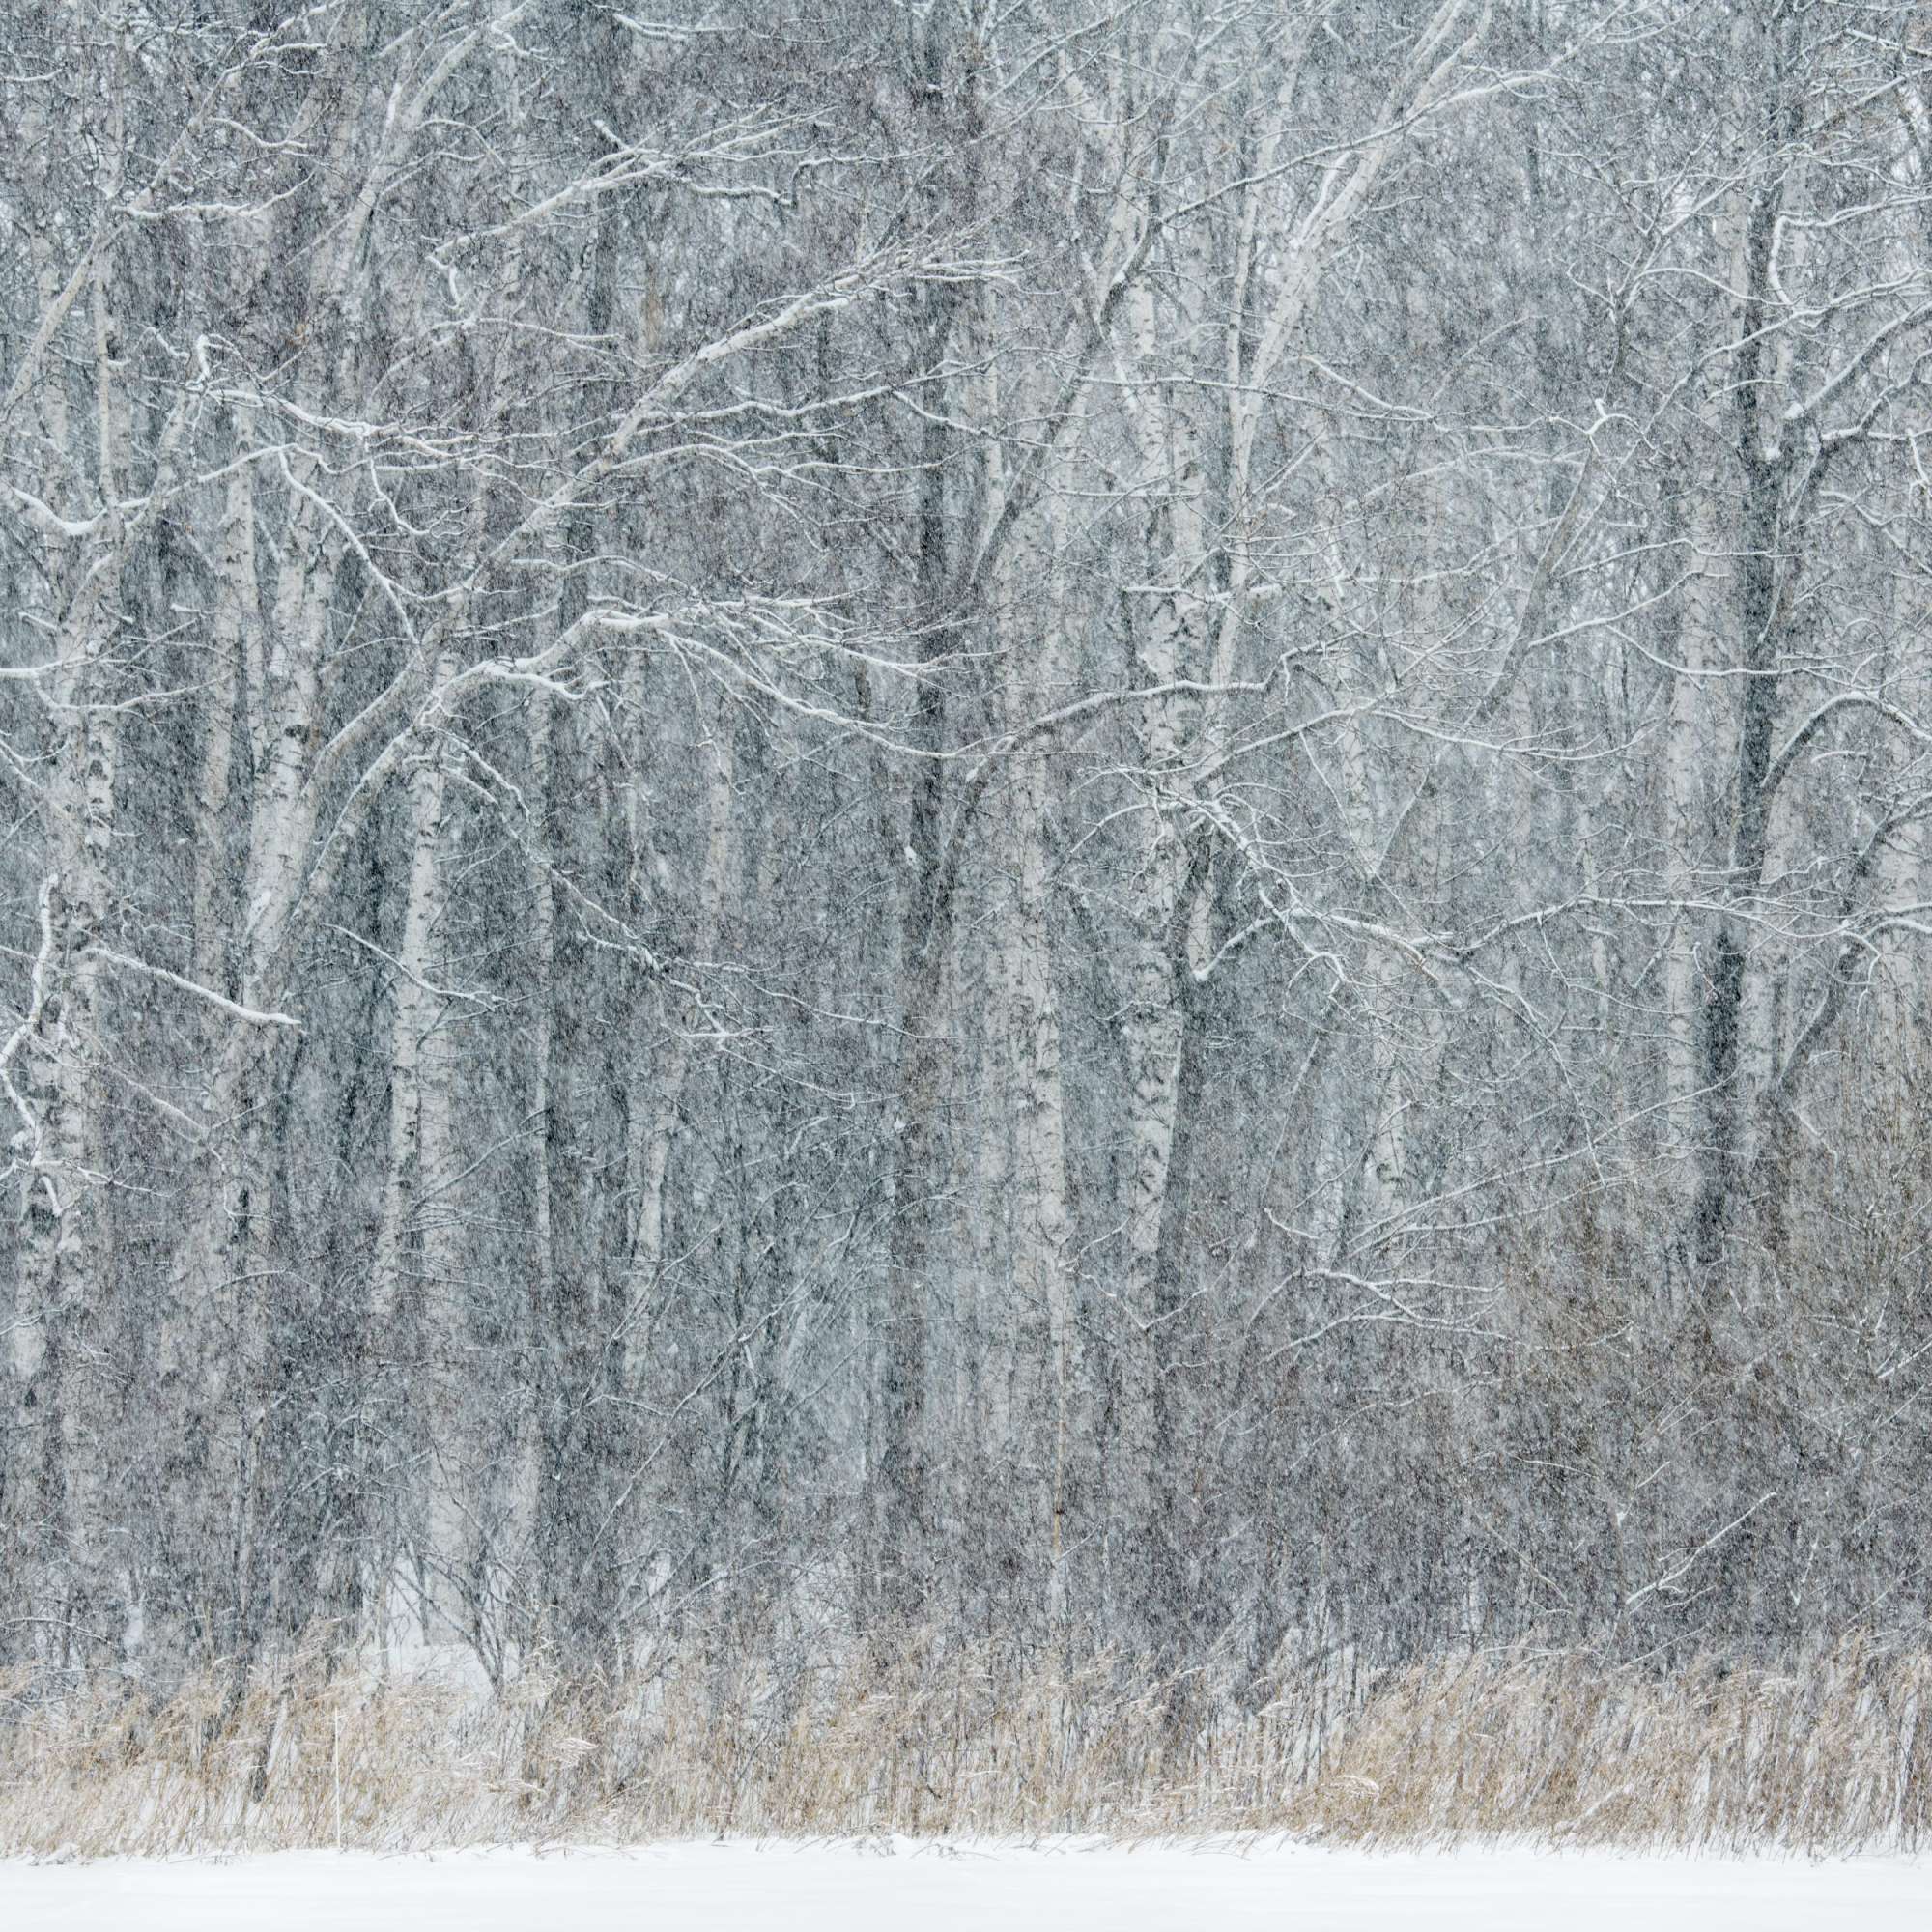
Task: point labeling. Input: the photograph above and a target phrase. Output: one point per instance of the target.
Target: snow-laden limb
(1808, 409)
(247, 1016)
(1681, 1569)
(66, 530)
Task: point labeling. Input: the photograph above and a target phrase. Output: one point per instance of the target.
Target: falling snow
(1083, 841)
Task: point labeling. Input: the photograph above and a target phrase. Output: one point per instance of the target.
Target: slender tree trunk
(1757, 622)
(905, 1523)
(414, 1316)
(1042, 1266)
(68, 1264)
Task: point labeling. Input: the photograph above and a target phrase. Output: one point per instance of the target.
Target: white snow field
(922, 1888)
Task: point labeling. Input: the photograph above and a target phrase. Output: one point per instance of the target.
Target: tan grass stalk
(907, 1738)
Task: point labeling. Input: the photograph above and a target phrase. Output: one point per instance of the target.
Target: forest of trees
(1095, 817)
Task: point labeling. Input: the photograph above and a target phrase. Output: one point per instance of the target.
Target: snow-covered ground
(909, 1887)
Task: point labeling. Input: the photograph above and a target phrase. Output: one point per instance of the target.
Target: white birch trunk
(657, 1084)
(412, 1243)
(234, 614)
(535, 1387)
(67, 1272)
(1029, 999)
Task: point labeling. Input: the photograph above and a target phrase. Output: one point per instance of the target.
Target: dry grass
(1549, 1746)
